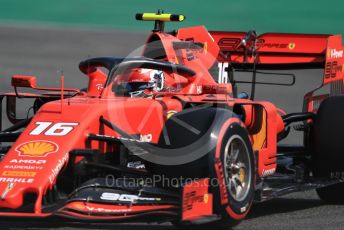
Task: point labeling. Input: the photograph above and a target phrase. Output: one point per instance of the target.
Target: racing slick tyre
(327, 147)
(202, 122)
(232, 166)
(229, 162)
(232, 177)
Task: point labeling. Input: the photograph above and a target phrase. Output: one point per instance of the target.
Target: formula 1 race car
(166, 136)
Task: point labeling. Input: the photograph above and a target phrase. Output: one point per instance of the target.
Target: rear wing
(285, 51)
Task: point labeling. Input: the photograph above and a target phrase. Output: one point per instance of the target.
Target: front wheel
(232, 173)
(233, 169)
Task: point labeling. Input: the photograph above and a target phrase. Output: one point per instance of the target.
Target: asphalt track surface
(44, 52)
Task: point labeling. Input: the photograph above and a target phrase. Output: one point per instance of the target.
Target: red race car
(165, 136)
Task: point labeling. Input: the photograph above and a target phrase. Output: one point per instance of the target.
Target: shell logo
(37, 148)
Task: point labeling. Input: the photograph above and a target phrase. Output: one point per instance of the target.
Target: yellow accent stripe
(260, 138)
(160, 17)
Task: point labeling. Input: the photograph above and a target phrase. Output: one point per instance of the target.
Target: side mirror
(23, 81)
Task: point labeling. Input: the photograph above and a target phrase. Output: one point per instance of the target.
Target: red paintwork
(276, 48)
(334, 69)
(96, 81)
(333, 74)
(24, 81)
(30, 82)
(146, 116)
(197, 202)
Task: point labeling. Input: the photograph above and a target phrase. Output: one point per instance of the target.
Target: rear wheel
(328, 148)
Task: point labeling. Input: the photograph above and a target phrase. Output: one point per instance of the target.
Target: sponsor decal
(9, 187)
(125, 197)
(83, 206)
(190, 55)
(146, 137)
(135, 165)
(199, 89)
(107, 210)
(229, 43)
(291, 46)
(23, 167)
(55, 171)
(143, 138)
(28, 161)
(243, 209)
(191, 198)
(233, 43)
(223, 73)
(18, 174)
(262, 44)
(222, 182)
(332, 68)
(16, 180)
(196, 201)
(333, 53)
(99, 87)
(268, 172)
(206, 198)
(48, 128)
(37, 148)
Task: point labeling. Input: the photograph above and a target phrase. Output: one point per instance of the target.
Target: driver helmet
(140, 82)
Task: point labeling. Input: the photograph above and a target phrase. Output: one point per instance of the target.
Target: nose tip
(15, 197)
(9, 187)
(10, 200)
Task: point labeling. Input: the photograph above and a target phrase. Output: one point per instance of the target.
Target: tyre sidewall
(326, 145)
(233, 209)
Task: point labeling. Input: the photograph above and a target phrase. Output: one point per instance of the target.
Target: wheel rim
(237, 168)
